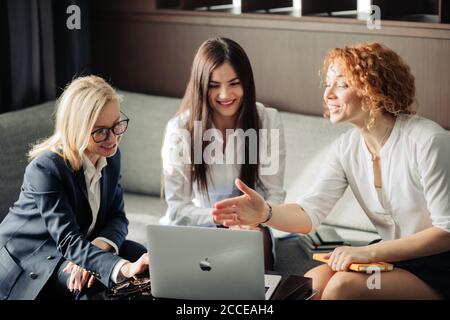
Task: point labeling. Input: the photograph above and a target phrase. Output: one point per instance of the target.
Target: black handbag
(131, 289)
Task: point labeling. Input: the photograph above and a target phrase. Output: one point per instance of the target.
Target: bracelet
(269, 215)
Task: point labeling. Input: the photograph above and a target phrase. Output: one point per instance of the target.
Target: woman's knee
(322, 271)
(320, 276)
(343, 286)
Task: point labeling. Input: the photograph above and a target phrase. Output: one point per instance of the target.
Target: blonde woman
(65, 235)
(397, 165)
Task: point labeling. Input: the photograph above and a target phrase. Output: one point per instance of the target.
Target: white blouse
(415, 175)
(92, 176)
(186, 208)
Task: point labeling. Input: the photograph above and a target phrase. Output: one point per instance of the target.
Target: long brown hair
(212, 54)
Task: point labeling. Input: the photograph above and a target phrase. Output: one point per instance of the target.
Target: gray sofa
(307, 140)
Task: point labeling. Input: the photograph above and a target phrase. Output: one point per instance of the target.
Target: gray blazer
(50, 221)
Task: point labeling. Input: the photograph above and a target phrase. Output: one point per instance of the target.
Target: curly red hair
(379, 75)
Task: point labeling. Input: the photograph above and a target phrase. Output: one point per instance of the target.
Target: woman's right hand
(247, 209)
(130, 269)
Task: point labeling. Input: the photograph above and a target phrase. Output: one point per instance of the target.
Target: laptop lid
(205, 263)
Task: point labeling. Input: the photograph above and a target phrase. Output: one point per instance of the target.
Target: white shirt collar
(91, 172)
(389, 142)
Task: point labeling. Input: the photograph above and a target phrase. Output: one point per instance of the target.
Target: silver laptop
(208, 264)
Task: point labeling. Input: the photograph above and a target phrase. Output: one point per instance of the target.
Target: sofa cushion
(141, 145)
(18, 130)
(142, 210)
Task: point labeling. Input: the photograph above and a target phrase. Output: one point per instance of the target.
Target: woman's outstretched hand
(247, 209)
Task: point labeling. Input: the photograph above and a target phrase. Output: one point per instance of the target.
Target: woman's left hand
(78, 277)
(342, 257)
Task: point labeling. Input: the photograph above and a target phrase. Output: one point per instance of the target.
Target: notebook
(359, 267)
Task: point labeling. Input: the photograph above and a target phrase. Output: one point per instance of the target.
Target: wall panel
(152, 53)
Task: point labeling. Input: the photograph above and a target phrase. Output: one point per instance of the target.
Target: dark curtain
(39, 53)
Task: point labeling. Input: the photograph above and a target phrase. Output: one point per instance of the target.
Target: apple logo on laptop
(205, 265)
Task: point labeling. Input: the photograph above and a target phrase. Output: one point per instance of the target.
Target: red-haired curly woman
(397, 165)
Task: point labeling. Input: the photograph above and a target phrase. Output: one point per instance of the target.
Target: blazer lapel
(103, 198)
(81, 181)
(84, 217)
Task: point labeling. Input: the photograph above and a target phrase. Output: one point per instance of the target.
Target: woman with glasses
(220, 132)
(65, 235)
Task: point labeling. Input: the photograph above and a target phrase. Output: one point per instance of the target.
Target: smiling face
(342, 101)
(225, 93)
(108, 117)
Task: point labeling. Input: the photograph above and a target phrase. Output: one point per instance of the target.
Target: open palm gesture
(247, 209)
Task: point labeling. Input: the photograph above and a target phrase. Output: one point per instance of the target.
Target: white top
(415, 175)
(185, 208)
(92, 176)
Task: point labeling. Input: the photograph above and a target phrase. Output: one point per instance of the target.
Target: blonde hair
(77, 111)
(380, 76)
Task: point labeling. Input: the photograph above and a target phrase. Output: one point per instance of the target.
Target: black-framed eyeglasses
(118, 129)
